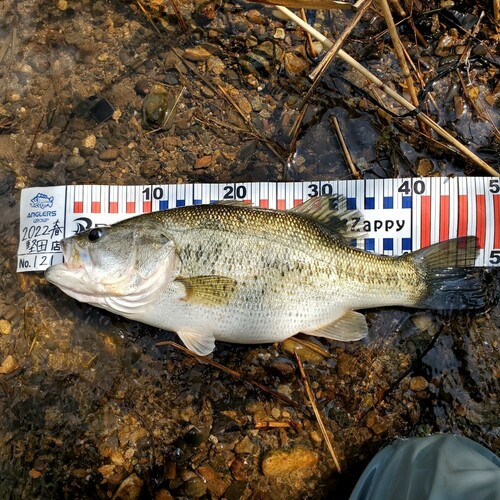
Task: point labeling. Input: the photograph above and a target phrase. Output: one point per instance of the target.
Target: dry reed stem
(148, 17)
(312, 346)
(393, 94)
(312, 50)
(322, 427)
(323, 65)
(309, 4)
(269, 424)
(332, 51)
(178, 14)
(399, 8)
(398, 49)
(345, 150)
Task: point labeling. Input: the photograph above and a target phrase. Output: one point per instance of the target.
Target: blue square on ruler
(163, 204)
(388, 202)
(406, 201)
(180, 203)
(351, 203)
(388, 244)
(369, 244)
(369, 203)
(197, 202)
(214, 201)
(406, 245)
(353, 242)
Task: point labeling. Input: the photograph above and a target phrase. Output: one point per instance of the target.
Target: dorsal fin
(331, 212)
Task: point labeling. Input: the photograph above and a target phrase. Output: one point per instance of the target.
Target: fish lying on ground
(236, 273)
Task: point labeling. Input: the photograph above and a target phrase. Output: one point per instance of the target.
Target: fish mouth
(70, 254)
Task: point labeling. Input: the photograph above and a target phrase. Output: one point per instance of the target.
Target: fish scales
(309, 248)
(247, 275)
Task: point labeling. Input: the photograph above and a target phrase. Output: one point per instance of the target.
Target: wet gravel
(90, 407)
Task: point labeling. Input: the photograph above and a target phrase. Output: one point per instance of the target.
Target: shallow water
(92, 404)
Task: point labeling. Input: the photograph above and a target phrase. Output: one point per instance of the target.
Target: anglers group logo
(42, 201)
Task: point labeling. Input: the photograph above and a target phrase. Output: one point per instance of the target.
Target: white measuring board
(400, 215)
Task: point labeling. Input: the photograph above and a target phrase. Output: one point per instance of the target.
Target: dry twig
(322, 427)
(398, 49)
(312, 50)
(233, 373)
(309, 4)
(220, 90)
(393, 94)
(345, 150)
(148, 17)
(178, 14)
(276, 425)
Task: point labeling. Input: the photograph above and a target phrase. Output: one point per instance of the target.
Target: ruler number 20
(406, 188)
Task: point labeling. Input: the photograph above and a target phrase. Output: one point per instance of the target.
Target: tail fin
(445, 267)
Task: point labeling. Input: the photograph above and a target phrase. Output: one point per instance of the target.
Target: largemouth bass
(236, 273)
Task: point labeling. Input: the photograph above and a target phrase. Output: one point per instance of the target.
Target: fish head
(117, 267)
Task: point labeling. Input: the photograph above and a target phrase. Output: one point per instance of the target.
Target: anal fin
(349, 327)
(200, 343)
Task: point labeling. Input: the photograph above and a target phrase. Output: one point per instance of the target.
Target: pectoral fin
(208, 290)
(349, 327)
(200, 343)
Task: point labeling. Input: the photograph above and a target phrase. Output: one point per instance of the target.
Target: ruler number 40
(406, 188)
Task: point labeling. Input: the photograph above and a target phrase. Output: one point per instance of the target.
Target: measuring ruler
(399, 215)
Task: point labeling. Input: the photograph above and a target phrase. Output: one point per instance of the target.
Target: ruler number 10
(157, 193)
(406, 188)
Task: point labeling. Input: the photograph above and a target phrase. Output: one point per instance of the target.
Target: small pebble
(163, 495)
(424, 166)
(142, 87)
(107, 470)
(129, 489)
(195, 487)
(90, 141)
(13, 97)
(109, 154)
(197, 54)
(422, 321)
(244, 446)
(5, 327)
(279, 34)
(9, 365)
(418, 384)
(295, 64)
(75, 162)
(34, 474)
(316, 437)
(203, 162)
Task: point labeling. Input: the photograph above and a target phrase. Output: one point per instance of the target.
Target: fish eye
(95, 234)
